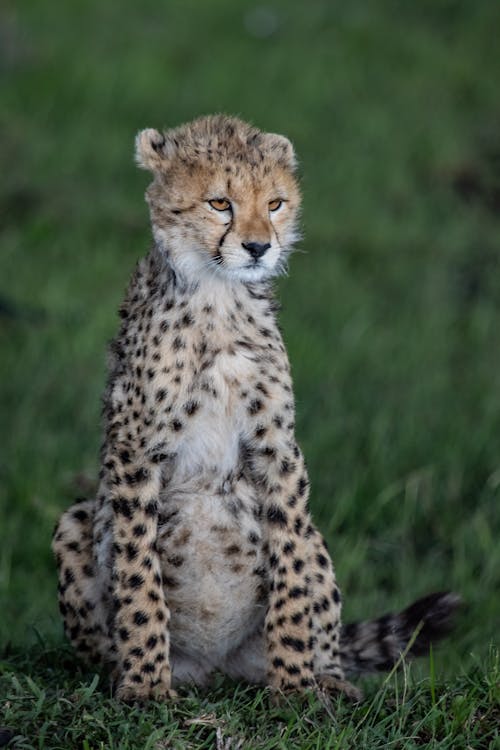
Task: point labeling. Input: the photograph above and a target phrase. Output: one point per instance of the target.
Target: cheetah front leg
(279, 468)
(141, 614)
(302, 625)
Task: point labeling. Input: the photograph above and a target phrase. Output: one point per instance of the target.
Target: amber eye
(220, 204)
(274, 205)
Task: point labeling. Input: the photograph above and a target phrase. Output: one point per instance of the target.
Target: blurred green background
(391, 314)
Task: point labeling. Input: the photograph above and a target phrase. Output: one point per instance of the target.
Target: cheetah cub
(199, 553)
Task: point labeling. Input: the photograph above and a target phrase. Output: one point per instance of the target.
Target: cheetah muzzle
(198, 552)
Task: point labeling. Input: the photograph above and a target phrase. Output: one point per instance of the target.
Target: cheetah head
(224, 199)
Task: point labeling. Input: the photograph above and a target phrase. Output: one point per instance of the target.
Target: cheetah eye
(275, 204)
(220, 204)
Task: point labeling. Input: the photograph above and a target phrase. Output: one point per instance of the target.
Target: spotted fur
(199, 552)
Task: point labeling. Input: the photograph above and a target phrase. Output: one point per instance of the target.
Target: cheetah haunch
(199, 553)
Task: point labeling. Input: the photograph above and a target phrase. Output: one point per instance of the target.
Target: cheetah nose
(256, 249)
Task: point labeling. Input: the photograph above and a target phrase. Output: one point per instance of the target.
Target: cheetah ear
(153, 150)
(282, 150)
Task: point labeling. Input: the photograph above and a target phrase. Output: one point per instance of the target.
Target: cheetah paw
(327, 683)
(136, 693)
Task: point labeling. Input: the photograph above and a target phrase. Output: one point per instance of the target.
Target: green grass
(391, 317)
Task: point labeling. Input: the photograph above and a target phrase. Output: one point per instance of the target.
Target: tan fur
(199, 552)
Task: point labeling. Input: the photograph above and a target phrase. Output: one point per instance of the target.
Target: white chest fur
(217, 366)
(210, 442)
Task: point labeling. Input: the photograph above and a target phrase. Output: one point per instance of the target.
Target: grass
(390, 316)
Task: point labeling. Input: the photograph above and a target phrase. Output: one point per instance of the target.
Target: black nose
(256, 249)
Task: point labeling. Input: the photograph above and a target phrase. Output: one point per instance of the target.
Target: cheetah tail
(376, 645)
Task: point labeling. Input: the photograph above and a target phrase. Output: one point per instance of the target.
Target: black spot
(301, 486)
(137, 651)
(191, 407)
(161, 394)
(255, 406)
(176, 560)
(276, 515)
(139, 530)
(297, 644)
(158, 458)
(80, 515)
(336, 596)
(151, 508)
(176, 425)
(121, 506)
(136, 581)
(268, 450)
(170, 583)
(296, 592)
(278, 662)
(69, 576)
(124, 634)
(131, 551)
(178, 343)
(186, 320)
(151, 642)
(141, 475)
(322, 560)
(286, 467)
(140, 618)
(298, 565)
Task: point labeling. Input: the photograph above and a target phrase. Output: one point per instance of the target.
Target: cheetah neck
(212, 288)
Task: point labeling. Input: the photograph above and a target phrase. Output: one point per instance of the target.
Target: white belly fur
(217, 570)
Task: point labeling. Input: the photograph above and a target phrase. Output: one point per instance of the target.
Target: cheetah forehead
(211, 141)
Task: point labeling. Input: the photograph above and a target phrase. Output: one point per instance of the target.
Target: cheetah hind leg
(80, 599)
